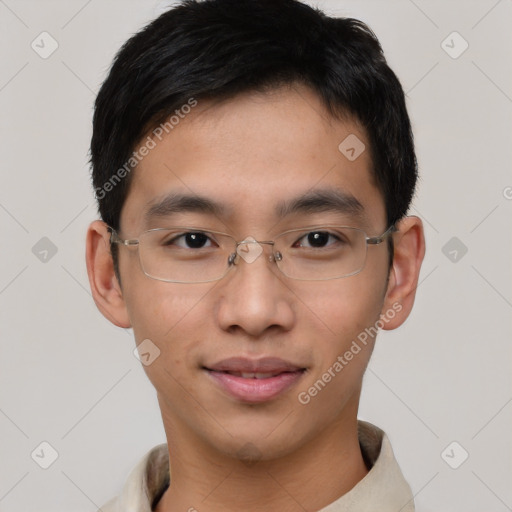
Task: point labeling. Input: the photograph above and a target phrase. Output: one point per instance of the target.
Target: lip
(262, 365)
(264, 379)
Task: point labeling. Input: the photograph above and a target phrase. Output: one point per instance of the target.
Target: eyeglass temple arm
(375, 240)
(116, 239)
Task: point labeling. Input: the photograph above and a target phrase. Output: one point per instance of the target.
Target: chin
(259, 440)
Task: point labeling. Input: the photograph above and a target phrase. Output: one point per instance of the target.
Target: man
(254, 164)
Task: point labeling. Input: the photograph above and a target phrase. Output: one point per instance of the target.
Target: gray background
(69, 377)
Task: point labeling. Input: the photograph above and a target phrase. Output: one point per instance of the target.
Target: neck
(311, 477)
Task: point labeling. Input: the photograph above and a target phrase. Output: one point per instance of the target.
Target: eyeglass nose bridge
(247, 256)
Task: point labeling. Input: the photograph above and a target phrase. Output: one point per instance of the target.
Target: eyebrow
(315, 201)
(323, 200)
(179, 203)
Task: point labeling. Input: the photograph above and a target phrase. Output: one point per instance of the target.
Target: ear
(105, 288)
(409, 250)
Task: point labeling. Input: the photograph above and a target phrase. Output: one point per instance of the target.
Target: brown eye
(191, 240)
(317, 239)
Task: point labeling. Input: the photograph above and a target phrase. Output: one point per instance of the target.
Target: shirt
(384, 488)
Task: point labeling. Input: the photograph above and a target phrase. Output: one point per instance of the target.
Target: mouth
(254, 381)
(249, 375)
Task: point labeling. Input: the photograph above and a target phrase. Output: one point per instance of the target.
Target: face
(250, 155)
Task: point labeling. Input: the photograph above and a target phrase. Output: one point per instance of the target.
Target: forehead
(252, 159)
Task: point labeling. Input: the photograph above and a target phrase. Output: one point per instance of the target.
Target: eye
(317, 239)
(190, 240)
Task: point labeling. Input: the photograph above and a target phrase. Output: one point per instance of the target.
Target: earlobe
(409, 244)
(105, 288)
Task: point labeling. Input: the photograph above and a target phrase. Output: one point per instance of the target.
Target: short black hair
(217, 49)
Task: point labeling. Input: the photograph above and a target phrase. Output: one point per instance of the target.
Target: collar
(384, 488)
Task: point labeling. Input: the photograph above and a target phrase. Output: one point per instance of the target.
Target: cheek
(343, 308)
(342, 314)
(162, 310)
(173, 318)
(167, 314)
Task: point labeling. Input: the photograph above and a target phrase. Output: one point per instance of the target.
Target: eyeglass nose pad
(277, 256)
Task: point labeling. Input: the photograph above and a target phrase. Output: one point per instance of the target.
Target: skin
(249, 153)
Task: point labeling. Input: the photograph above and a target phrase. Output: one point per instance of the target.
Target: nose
(255, 296)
